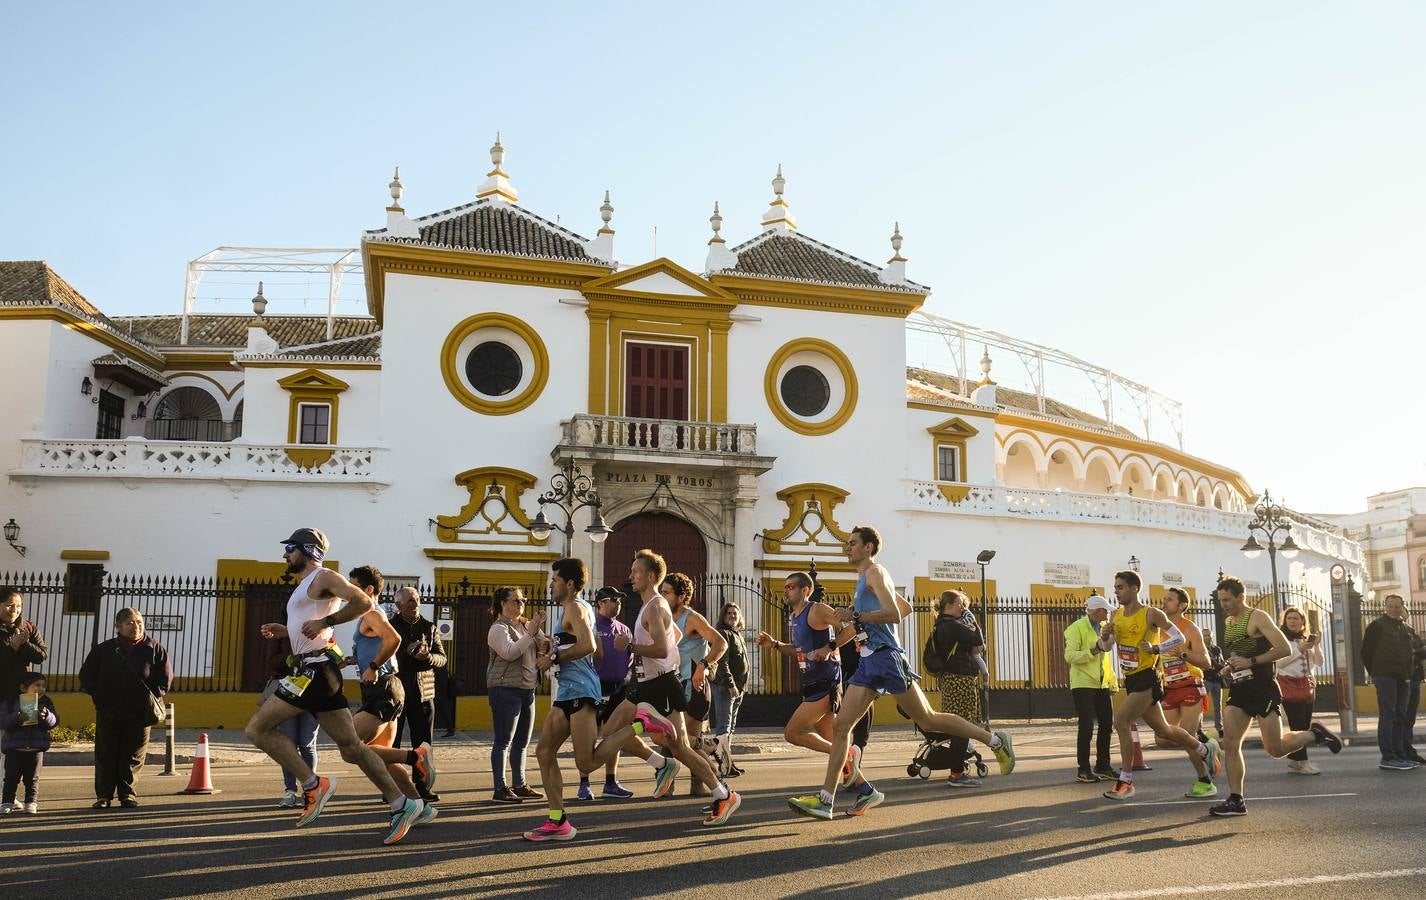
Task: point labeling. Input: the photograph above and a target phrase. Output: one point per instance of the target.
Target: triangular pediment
(658, 278)
(954, 427)
(312, 380)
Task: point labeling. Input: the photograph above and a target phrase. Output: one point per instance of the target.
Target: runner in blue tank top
(574, 711)
(876, 611)
(816, 634)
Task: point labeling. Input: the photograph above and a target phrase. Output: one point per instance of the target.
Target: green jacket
(1089, 667)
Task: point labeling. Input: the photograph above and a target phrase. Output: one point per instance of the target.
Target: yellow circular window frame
(774, 394)
(450, 366)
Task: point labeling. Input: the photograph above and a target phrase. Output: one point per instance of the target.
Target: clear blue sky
(1222, 200)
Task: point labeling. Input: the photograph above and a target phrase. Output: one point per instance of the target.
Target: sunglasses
(289, 548)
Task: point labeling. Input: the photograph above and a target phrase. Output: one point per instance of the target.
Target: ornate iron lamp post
(1271, 520)
(570, 490)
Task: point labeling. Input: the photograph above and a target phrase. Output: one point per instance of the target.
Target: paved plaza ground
(1035, 834)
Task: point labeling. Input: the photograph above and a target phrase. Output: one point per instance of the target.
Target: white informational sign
(1173, 578)
(1068, 574)
(1253, 588)
(951, 570)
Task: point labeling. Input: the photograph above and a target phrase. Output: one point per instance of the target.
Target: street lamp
(1134, 564)
(983, 559)
(570, 490)
(1271, 519)
(12, 536)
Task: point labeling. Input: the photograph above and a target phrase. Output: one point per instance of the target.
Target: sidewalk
(1041, 738)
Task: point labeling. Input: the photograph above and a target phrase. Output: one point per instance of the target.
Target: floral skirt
(960, 694)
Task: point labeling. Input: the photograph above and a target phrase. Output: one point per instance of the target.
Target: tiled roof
(366, 347)
(797, 257)
(33, 281)
(118, 359)
(947, 387)
(496, 228)
(231, 331)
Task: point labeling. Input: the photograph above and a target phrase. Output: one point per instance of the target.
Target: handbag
(1296, 689)
(156, 711)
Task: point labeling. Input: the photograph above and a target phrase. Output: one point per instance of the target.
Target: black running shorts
(320, 686)
(827, 687)
(570, 707)
(383, 699)
(1145, 680)
(1258, 697)
(664, 693)
(613, 694)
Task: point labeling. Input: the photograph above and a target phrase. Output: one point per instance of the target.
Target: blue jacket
(26, 737)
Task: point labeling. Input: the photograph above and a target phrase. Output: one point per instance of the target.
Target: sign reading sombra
(1068, 574)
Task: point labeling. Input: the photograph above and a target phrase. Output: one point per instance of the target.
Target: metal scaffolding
(958, 337)
(335, 263)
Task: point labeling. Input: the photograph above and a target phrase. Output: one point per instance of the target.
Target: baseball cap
(1095, 601)
(308, 536)
(608, 593)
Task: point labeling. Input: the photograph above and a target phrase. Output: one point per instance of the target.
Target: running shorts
(1258, 697)
(1184, 696)
(612, 694)
(884, 671)
(570, 707)
(664, 693)
(315, 686)
(1145, 680)
(699, 702)
(384, 699)
(831, 688)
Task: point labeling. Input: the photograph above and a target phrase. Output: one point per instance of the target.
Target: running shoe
(723, 809)
(1214, 758)
(965, 781)
(664, 777)
(866, 801)
(1005, 753)
(584, 793)
(1229, 807)
(1325, 737)
(852, 768)
(1202, 790)
(32, 808)
(315, 799)
(811, 805)
(550, 830)
(616, 791)
(1122, 790)
(428, 814)
(1087, 778)
(403, 819)
(7, 808)
(1106, 774)
(653, 723)
(1396, 765)
(290, 800)
(426, 765)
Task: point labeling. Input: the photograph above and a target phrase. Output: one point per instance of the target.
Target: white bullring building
(739, 419)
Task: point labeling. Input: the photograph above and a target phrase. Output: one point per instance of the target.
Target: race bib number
(1238, 676)
(801, 661)
(1176, 670)
(295, 685)
(1128, 655)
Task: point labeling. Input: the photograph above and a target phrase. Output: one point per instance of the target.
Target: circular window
(494, 369)
(805, 391)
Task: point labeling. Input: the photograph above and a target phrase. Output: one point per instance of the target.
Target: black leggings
(1299, 716)
(23, 765)
(1093, 707)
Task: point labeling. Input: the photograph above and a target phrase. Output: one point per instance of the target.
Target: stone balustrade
(195, 460)
(666, 436)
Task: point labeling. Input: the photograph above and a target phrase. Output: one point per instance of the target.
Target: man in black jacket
(420, 655)
(1388, 657)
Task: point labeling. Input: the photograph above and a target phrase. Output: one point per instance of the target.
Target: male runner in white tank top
(654, 695)
(322, 599)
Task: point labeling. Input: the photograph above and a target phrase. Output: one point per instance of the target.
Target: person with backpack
(952, 654)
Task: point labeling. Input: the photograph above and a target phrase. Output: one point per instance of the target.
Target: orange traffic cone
(1139, 764)
(201, 781)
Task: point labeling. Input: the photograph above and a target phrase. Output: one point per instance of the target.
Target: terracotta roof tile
(496, 228)
(231, 331)
(1006, 398)
(793, 255)
(33, 281)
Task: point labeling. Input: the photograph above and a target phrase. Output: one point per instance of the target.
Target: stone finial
(396, 191)
(984, 393)
(895, 271)
(719, 256)
(259, 302)
(601, 246)
(497, 185)
(985, 366)
(778, 214)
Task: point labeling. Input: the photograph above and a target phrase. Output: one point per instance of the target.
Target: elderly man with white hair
(1092, 682)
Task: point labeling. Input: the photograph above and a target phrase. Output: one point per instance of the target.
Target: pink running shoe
(653, 722)
(552, 831)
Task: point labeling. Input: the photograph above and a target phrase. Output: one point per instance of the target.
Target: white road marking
(1022, 822)
(1192, 889)
(1204, 801)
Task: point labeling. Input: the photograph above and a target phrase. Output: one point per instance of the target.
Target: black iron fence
(211, 629)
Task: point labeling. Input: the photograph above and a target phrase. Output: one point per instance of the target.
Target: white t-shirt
(302, 609)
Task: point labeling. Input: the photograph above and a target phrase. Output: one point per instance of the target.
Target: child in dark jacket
(27, 719)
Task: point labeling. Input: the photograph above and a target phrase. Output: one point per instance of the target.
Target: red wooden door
(677, 541)
(656, 381)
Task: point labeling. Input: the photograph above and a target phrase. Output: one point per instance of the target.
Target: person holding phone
(1296, 682)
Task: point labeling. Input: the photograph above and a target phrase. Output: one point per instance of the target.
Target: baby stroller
(934, 755)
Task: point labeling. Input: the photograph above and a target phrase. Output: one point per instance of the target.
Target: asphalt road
(1035, 834)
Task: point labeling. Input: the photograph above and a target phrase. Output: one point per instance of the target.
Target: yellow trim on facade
(819, 297)
(70, 320)
(220, 360)
(771, 386)
(952, 406)
(279, 364)
(483, 555)
(311, 387)
(801, 500)
(227, 394)
(450, 366)
(954, 432)
(84, 554)
(508, 485)
(380, 258)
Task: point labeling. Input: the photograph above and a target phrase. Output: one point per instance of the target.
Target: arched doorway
(680, 544)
